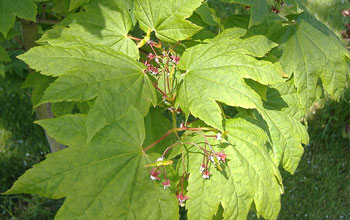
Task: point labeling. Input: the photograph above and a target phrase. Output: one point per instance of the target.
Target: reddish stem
(168, 148)
(159, 90)
(164, 174)
(134, 38)
(182, 184)
(171, 131)
(194, 144)
(210, 136)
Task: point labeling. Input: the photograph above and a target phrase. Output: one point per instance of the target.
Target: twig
(46, 21)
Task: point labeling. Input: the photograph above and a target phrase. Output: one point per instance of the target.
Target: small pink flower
(154, 70)
(182, 199)
(178, 110)
(203, 167)
(154, 174)
(206, 174)
(147, 63)
(151, 69)
(166, 184)
(151, 56)
(221, 156)
(182, 125)
(218, 136)
(175, 59)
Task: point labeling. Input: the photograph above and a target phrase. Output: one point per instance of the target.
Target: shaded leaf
(157, 125)
(25, 9)
(74, 4)
(39, 83)
(3, 55)
(258, 10)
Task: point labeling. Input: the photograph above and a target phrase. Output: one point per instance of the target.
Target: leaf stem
(159, 90)
(46, 21)
(173, 115)
(194, 144)
(134, 38)
(206, 141)
(171, 131)
(168, 148)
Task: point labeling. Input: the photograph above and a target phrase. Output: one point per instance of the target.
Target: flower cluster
(155, 173)
(175, 59)
(161, 60)
(155, 176)
(204, 171)
(221, 156)
(182, 199)
(151, 69)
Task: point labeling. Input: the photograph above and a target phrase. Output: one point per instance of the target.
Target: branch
(174, 130)
(46, 21)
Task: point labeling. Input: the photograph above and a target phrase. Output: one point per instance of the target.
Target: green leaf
(206, 14)
(287, 136)
(107, 176)
(68, 130)
(2, 71)
(25, 9)
(157, 125)
(104, 23)
(62, 108)
(282, 111)
(61, 6)
(258, 10)
(311, 53)
(39, 83)
(88, 72)
(216, 72)
(3, 55)
(166, 18)
(284, 97)
(249, 176)
(74, 4)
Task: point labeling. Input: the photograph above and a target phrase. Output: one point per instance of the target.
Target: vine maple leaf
(216, 72)
(248, 176)
(87, 72)
(313, 52)
(107, 175)
(103, 23)
(167, 18)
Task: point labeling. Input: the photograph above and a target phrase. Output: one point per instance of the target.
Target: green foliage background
(321, 174)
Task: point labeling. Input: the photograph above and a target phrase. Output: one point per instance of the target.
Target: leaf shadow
(274, 100)
(93, 19)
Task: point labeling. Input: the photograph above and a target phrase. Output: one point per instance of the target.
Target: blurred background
(320, 188)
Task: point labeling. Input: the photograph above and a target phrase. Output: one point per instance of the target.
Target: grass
(22, 144)
(320, 189)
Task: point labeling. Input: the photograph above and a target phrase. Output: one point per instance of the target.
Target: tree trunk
(30, 35)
